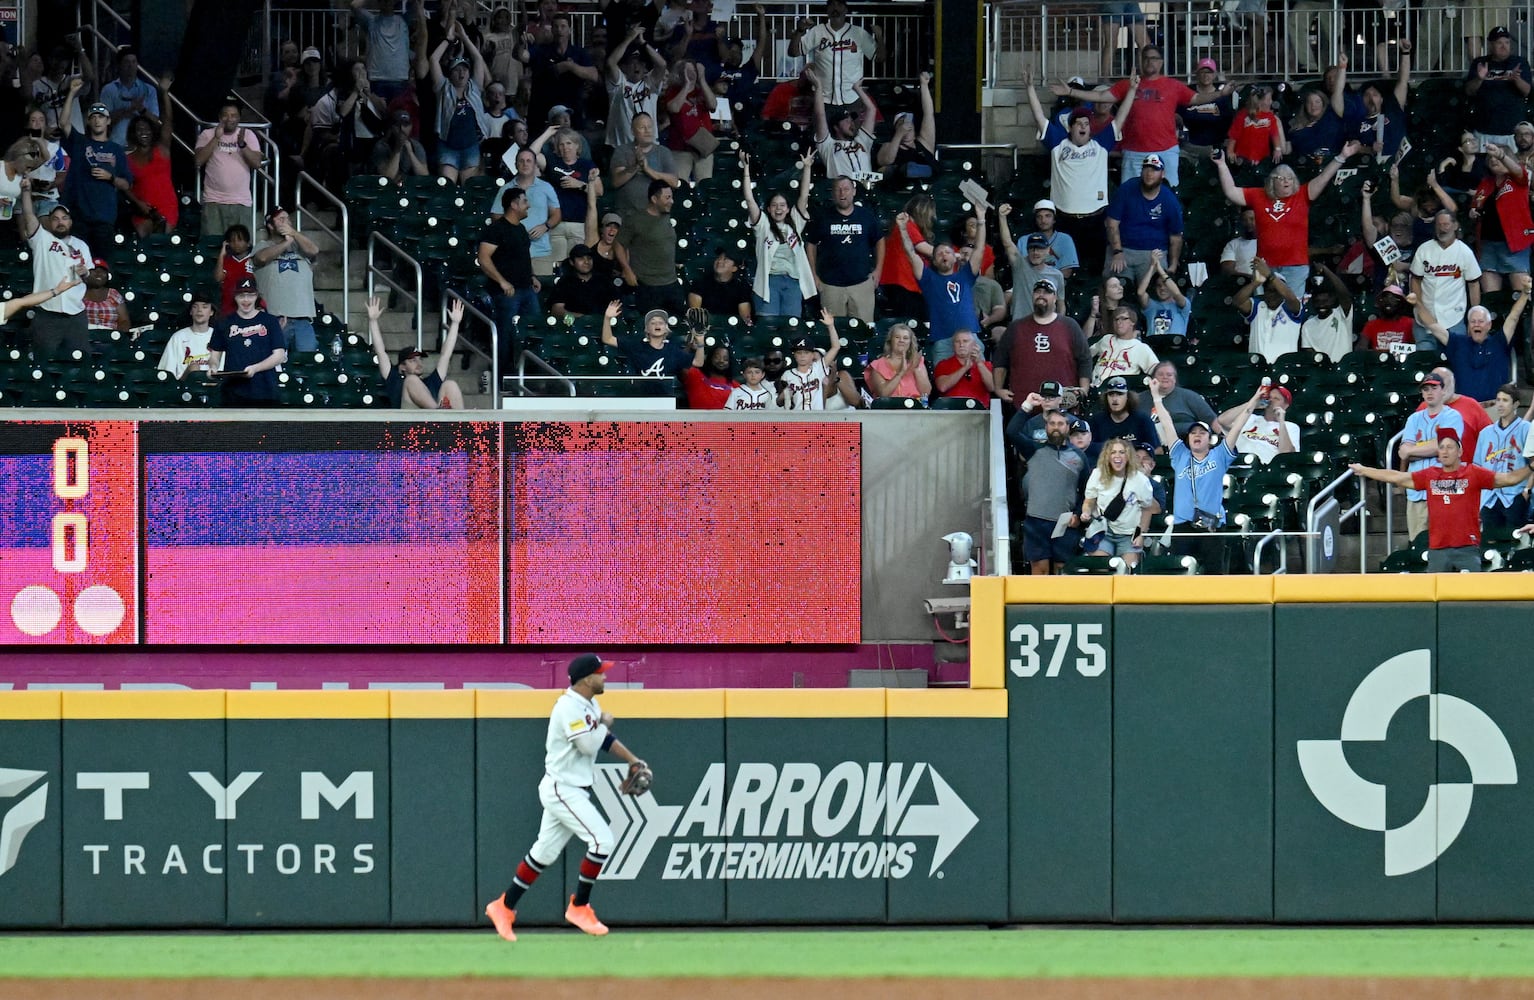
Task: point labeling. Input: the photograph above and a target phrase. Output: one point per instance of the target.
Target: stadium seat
(1096, 566)
(1168, 565)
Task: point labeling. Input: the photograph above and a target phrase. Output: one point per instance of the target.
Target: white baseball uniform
(576, 735)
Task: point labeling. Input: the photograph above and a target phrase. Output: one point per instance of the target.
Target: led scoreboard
(429, 532)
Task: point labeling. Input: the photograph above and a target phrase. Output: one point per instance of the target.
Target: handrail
(1390, 450)
(495, 341)
(343, 237)
(1000, 534)
(373, 273)
(1283, 551)
(558, 375)
(1361, 508)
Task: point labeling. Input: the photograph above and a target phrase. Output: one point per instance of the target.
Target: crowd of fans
(596, 137)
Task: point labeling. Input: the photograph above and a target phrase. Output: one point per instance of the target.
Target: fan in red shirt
(1282, 207)
(1507, 231)
(1391, 323)
(708, 387)
(1453, 502)
(966, 375)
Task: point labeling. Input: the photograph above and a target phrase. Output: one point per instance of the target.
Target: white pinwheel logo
(24, 815)
(1451, 720)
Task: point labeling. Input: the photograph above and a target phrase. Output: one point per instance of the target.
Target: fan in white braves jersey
(753, 393)
(805, 384)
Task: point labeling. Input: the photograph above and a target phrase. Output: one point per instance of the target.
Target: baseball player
(578, 729)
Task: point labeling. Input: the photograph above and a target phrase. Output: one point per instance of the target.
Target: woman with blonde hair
(21, 158)
(900, 372)
(1119, 504)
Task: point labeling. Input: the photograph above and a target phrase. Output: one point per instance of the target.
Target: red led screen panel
(69, 532)
(345, 533)
(678, 532)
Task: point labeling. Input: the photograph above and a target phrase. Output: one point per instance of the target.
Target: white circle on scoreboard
(36, 610)
(99, 610)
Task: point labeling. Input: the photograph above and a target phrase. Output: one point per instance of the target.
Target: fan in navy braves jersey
(251, 341)
(578, 731)
(804, 385)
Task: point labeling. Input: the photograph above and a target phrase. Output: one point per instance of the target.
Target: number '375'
(1091, 661)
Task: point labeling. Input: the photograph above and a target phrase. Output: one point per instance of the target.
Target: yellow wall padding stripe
(1484, 586)
(804, 703)
(22, 706)
(1192, 589)
(1060, 589)
(144, 705)
(987, 632)
(933, 703)
(308, 704)
(627, 704)
(1349, 588)
(431, 704)
(515, 704)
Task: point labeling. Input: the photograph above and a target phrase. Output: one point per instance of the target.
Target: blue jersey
(1200, 485)
(1423, 429)
(1500, 449)
(1146, 223)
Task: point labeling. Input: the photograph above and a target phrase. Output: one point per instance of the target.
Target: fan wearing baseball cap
(105, 307)
(246, 347)
(409, 385)
(653, 354)
(1419, 441)
(1497, 84)
(1031, 263)
(100, 172)
(1078, 170)
(1152, 127)
(1198, 497)
(1454, 491)
(1145, 215)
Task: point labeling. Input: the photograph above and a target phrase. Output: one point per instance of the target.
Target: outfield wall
(299, 809)
(1292, 749)
(1317, 749)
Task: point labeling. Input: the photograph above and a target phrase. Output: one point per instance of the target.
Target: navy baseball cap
(587, 664)
(1078, 425)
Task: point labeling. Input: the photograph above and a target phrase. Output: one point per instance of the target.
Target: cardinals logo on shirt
(1278, 210)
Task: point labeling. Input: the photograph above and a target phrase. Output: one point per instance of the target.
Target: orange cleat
(503, 919)
(584, 918)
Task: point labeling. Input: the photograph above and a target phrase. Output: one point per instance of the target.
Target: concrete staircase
(398, 323)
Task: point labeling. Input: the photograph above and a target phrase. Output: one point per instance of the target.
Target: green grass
(1022, 952)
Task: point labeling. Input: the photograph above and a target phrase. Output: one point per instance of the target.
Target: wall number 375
(1091, 661)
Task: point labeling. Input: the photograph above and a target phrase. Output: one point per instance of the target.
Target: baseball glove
(639, 779)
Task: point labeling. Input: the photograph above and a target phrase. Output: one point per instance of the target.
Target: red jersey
(970, 386)
(1382, 334)
(1453, 503)
(705, 392)
(1283, 227)
(1255, 138)
(1510, 192)
(1152, 122)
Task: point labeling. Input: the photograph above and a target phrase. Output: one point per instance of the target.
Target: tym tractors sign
(125, 796)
